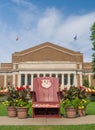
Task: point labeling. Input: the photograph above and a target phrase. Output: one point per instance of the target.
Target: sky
(38, 21)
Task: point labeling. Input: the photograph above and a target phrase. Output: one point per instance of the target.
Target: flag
(17, 38)
(75, 37)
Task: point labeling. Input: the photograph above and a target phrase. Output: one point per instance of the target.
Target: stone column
(31, 82)
(80, 79)
(68, 80)
(56, 75)
(62, 85)
(13, 79)
(5, 80)
(89, 79)
(19, 79)
(25, 79)
(75, 80)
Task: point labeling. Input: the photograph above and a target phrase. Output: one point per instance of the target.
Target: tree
(86, 83)
(92, 38)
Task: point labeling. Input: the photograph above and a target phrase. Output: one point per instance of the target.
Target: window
(65, 79)
(60, 78)
(71, 79)
(41, 75)
(53, 75)
(35, 76)
(47, 75)
(22, 79)
(29, 79)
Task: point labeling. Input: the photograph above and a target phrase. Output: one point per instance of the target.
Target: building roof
(47, 51)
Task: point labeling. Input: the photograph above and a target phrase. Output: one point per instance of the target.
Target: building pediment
(47, 52)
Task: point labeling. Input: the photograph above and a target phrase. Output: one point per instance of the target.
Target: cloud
(34, 25)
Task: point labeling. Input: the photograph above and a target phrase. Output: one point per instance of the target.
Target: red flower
(17, 88)
(27, 87)
(80, 87)
(21, 88)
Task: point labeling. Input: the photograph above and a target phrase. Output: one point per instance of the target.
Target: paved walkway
(89, 119)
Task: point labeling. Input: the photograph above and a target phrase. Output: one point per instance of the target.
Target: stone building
(46, 59)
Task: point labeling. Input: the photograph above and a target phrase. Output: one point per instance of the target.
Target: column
(80, 79)
(25, 79)
(75, 80)
(5, 80)
(19, 79)
(44, 74)
(13, 80)
(31, 82)
(68, 80)
(50, 75)
(89, 79)
(62, 85)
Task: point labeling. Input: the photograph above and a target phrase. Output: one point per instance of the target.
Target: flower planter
(70, 112)
(22, 112)
(11, 111)
(82, 112)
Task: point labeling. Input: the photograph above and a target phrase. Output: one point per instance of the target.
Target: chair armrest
(33, 95)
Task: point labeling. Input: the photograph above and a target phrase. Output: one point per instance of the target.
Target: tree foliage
(92, 38)
(86, 83)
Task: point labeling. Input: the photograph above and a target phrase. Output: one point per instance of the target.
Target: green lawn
(3, 110)
(91, 108)
(65, 127)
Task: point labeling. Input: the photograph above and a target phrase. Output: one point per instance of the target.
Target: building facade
(46, 59)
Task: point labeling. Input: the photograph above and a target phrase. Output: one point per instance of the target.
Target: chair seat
(46, 105)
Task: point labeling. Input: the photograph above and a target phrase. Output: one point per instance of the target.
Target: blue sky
(38, 21)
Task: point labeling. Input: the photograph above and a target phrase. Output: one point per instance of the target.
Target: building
(46, 59)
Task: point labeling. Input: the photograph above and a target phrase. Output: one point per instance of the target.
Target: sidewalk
(89, 119)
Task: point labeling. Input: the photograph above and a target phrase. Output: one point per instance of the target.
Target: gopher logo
(46, 83)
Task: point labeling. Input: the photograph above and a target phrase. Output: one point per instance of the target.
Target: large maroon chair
(45, 101)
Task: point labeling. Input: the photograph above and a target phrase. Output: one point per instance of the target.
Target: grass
(3, 110)
(65, 127)
(91, 108)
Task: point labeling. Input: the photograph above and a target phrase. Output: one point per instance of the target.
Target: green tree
(92, 37)
(86, 83)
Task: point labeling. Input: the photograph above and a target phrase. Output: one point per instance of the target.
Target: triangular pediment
(47, 52)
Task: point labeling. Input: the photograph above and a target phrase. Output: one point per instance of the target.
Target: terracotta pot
(82, 112)
(22, 112)
(70, 112)
(12, 111)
